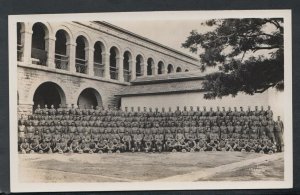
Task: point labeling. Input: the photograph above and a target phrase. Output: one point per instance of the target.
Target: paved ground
(127, 167)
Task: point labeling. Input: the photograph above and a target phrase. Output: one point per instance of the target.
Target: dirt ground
(130, 167)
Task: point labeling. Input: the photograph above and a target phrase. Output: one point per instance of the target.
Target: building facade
(87, 63)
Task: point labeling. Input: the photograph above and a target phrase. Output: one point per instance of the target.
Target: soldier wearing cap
(159, 141)
(52, 110)
(224, 131)
(278, 132)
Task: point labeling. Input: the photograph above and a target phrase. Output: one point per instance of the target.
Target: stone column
(26, 41)
(154, 69)
(119, 61)
(50, 48)
(89, 55)
(132, 68)
(71, 51)
(144, 68)
(105, 61)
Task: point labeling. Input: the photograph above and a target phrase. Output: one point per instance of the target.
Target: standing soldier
(278, 132)
(270, 130)
(269, 113)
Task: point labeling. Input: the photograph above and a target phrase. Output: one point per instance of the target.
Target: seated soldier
(110, 147)
(224, 131)
(212, 145)
(85, 145)
(74, 147)
(242, 145)
(37, 136)
(222, 146)
(93, 147)
(158, 142)
(44, 147)
(102, 146)
(191, 141)
(34, 146)
(148, 139)
(47, 137)
(254, 132)
(24, 146)
(180, 139)
(169, 138)
(65, 148)
(261, 146)
(270, 147)
(30, 132)
(201, 145)
(127, 141)
(137, 141)
(251, 146)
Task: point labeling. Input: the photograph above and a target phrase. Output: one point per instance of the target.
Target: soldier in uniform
(159, 141)
(52, 110)
(24, 146)
(180, 140)
(148, 139)
(127, 141)
(138, 140)
(169, 138)
(44, 147)
(270, 130)
(278, 132)
(224, 131)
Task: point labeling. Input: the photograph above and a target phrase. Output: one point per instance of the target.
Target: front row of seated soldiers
(144, 141)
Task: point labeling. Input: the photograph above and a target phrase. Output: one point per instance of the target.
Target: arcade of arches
(56, 51)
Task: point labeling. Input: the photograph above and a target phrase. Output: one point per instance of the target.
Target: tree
(248, 53)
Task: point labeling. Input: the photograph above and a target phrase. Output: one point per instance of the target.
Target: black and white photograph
(151, 100)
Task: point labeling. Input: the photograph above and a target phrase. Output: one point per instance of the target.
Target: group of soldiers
(99, 130)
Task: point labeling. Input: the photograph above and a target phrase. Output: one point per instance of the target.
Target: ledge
(66, 72)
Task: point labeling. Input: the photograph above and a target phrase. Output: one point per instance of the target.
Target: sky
(167, 32)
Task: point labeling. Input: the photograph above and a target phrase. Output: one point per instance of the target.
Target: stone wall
(30, 78)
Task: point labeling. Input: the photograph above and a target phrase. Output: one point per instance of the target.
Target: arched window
(98, 61)
(81, 62)
(178, 69)
(186, 70)
(170, 68)
(161, 67)
(139, 65)
(126, 65)
(38, 49)
(61, 56)
(113, 68)
(150, 66)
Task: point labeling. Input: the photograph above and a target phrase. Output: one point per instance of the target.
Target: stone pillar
(132, 68)
(144, 68)
(154, 69)
(71, 51)
(26, 41)
(50, 48)
(106, 62)
(89, 55)
(119, 61)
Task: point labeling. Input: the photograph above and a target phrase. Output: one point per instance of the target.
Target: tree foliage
(248, 53)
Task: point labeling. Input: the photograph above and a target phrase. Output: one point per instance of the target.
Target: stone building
(99, 64)
(87, 63)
